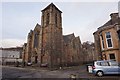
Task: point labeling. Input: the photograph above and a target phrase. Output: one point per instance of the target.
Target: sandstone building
(107, 39)
(88, 49)
(46, 44)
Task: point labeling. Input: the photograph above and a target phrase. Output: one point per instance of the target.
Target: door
(36, 57)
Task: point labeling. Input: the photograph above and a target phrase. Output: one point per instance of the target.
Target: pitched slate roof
(68, 38)
(37, 27)
(110, 22)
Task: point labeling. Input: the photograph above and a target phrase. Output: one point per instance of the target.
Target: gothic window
(60, 19)
(47, 19)
(36, 40)
(109, 39)
(102, 41)
(56, 19)
(43, 20)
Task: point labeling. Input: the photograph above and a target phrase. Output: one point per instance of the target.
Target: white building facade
(9, 56)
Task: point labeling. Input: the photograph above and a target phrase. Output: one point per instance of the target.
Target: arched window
(36, 39)
(47, 19)
(56, 19)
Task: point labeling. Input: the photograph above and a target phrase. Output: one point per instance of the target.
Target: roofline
(49, 6)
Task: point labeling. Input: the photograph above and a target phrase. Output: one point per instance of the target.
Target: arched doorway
(36, 59)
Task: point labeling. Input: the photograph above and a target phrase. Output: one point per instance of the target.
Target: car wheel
(100, 73)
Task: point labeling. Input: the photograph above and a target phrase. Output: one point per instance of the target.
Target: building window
(43, 20)
(47, 19)
(56, 19)
(112, 56)
(36, 39)
(102, 41)
(118, 34)
(109, 39)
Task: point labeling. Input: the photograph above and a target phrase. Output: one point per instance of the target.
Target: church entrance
(36, 57)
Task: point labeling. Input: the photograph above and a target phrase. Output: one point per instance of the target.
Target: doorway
(36, 59)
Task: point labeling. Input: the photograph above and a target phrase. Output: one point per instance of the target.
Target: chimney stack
(114, 17)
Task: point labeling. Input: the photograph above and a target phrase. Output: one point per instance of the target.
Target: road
(18, 72)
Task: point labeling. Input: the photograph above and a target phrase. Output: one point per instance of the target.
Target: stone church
(47, 45)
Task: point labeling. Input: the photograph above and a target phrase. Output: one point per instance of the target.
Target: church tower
(52, 45)
(46, 46)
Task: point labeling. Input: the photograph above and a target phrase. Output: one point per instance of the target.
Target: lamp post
(24, 52)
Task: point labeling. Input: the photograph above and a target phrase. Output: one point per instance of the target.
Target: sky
(80, 18)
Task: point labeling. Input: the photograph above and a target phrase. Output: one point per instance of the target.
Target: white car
(29, 63)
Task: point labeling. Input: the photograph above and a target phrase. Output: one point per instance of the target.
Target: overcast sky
(80, 18)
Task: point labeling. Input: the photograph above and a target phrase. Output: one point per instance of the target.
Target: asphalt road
(80, 72)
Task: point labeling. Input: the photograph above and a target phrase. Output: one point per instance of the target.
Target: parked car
(29, 63)
(106, 67)
(44, 65)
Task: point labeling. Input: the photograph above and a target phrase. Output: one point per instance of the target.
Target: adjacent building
(10, 55)
(88, 49)
(47, 45)
(107, 39)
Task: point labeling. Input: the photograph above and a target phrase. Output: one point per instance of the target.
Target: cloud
(82, 19)
(60, 0)
(6, 43)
